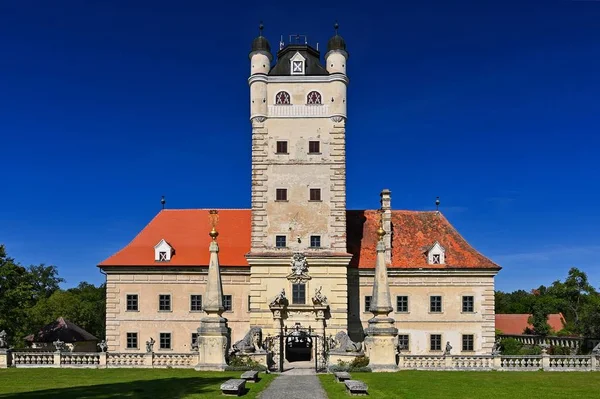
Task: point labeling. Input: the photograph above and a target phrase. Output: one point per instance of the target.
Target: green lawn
(475, 385)
(118, 383)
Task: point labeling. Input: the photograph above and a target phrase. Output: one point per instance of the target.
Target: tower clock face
(297, 66)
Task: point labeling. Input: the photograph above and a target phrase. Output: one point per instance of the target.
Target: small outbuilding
(75, 338)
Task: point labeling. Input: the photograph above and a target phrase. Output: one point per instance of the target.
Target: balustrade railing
(521, 362)
(33, 359)
(568, 363)
(80, 359)
(175, 360)
(473, 362)
(126, 360)
(418, 362)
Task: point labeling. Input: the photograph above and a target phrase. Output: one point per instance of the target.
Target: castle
(299, 237)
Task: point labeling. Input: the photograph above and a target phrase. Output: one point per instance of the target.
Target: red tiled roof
(61, 329)
(187, 230)
(515, 324)
(413, 233)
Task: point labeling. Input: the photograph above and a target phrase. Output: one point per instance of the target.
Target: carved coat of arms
(299, 268)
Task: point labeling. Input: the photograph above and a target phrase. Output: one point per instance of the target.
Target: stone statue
(448, 349)
(3, 340)
(194, 346)
(496, 348)
(343, 343)
(596, 350)
(59, 345)
(150, 345)
(299, 264)
(319, 298)
(280, 299)
(251, 343)
(102, 345)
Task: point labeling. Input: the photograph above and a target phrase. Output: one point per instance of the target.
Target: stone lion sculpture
(596, 350)
(251, 343)
(343, 343)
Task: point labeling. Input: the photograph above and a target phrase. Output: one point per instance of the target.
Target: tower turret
(336, 55)
(260, 65)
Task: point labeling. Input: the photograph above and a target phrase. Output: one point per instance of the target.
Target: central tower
(298, 116)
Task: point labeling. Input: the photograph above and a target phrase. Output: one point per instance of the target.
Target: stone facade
(291, 110)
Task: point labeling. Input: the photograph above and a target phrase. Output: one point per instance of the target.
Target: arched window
(314, 97)
(283, 97)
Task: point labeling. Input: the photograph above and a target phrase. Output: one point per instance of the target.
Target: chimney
(386, 208)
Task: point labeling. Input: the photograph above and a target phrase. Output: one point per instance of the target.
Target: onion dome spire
(336, 42)
(261, 43)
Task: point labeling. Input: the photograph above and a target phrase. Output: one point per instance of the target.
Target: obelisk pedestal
(381, 335)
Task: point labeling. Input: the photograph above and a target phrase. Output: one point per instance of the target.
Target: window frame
(441, 302)
(319, 96)
(160, 304)
(228, 298)
(431, 337)
(160, 341)
(137, 340)
(315, 237)
(281, 191)
(398, 303)
(472, 304)
(192, 302)
(315, 190)
(137, 303)
(318, 143)
(298, 288)
(162, 256)
(367, 303)
(407, 348)
(289, 98)
(471, 343)
(194, 333)
(285, 144)
(278, 236)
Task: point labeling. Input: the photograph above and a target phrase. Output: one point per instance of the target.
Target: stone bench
(250, 376)
(234, 387)
(356, 387)
(341, 376)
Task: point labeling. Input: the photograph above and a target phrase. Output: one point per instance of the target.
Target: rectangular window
(195, 303)
(315, 194)
(298, 294)
(194, 338)
(249, 297)
(281, 194)
(165, 340)
(280, 241)
(132, 303)
(164, 302)
(227, 303)
(435, 304)
(162, 256)
(132, 340)
(435, 342)
(282, 147)
(367, 303)
(402, 304)
(467, 342)
(314, 147)
(436, 259)
(315, 241)
(468, 304)
(403, 342)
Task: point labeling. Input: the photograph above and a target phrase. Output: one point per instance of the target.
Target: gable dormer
(436, 254)
(298, 64)
(163, 251)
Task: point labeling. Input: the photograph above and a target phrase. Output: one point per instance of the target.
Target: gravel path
(294, 386)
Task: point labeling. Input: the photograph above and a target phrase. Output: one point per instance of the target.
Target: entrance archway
(298, 347)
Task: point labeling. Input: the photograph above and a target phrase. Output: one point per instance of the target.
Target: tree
(574, 294)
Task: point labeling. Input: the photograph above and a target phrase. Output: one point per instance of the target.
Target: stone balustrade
(34, 359)
(474, 362)
(91, 360)
(421, 362)
(298, 110)
(175, 360)
(571, 363)
(573, 343)
(521, 363)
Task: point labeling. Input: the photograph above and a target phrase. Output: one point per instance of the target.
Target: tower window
(314, 97)
(298, 294)
(282, 98)
(315, 241)
(314, 147)
(282, 147)
(281, 194)
(315, 194)
(468, 304)
(132, 303)
(280, 241)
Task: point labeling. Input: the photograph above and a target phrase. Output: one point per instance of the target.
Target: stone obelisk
(381, 335)
(213, 334)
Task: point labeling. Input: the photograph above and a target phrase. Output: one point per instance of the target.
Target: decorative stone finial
(380, 230)
(437, 204)
(213, 216)
(336, 27)
(260, 28)
(163, 202)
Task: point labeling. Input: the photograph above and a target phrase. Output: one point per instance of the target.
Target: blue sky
(493, 106)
